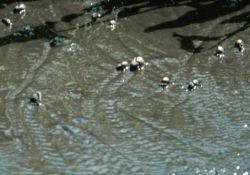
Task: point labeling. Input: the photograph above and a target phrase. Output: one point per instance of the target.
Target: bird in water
(20, 9)
(193, 84)
(137, 63)
(123, 66)
(165, 82)
(95, 16)
(112, 25)
(239, 44)
(6, 21)
(220, 52)
(36, 98)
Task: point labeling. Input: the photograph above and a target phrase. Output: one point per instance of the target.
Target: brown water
(95, 120)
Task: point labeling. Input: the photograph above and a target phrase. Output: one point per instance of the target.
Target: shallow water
(95, 120)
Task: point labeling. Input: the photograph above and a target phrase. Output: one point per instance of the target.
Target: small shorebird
(220, 51)
(193, 84)
(20, 9)
(112, 25)
(95, 16)
(165, 82)
(7, 22)
(123, 66)
(36, 98)
(239, 44)
(137, 63)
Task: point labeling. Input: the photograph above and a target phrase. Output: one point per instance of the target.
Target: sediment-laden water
(96, 120)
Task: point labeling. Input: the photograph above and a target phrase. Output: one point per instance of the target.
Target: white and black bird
(137, 63)
(8, 23)
(239, 44)
(112, 25)
(20, 9)
(95, 16)
(123, 66)
(220, 51)
(193, 84)
(165, 82)
(36, 98)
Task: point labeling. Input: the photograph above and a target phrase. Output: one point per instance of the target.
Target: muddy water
(95, 120)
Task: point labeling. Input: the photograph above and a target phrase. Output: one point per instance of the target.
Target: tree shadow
(44, 31)
(125, 8)
(241, 18)
(121, 8)
(70, 17)
(203, 12)
(244, 17)
(118, 10)
(187, 42)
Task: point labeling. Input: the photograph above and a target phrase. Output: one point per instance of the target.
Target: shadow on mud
(187, 42)
(202, 12)
(120, 9)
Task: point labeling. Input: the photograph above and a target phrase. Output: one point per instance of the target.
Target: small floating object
(220, 52)
(36, 98)
(193, 84)
(137, 63)
(239, 44)
(112, 25)
(123, 66)
(20, 9)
